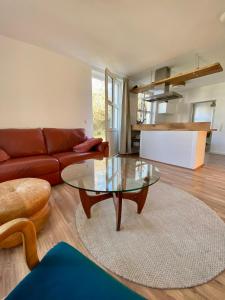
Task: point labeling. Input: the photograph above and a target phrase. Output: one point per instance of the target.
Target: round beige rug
(176, 242)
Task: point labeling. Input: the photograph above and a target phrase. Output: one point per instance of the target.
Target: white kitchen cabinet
(180, 148)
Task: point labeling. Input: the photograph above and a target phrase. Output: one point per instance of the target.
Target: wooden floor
(206, 183)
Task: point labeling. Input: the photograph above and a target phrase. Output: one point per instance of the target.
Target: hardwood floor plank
(207, 183)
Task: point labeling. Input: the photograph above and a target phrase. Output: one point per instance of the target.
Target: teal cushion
(65, 273)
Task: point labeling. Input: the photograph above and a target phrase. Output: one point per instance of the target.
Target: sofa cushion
(62, 140)
(22, 142)
(68, 158)
(103, 148)
(87, 145)
(32, 166)
(65, 273)
(3, 155)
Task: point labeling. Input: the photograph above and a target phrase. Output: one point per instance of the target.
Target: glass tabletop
(112, 174)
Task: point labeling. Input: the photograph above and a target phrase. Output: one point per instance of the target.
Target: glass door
(113, 97)
(98, 104)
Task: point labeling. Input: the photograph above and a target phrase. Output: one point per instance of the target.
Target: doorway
(204, 112)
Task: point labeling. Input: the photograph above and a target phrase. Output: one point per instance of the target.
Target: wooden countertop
(197, 126)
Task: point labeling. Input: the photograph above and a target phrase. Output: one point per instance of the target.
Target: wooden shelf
(197, 126)
(182, 77)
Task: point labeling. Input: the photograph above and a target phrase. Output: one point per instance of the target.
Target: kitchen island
(180, 144)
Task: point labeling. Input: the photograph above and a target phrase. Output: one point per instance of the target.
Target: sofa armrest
(103, 148)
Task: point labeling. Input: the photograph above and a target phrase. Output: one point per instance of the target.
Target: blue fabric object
(65, 273)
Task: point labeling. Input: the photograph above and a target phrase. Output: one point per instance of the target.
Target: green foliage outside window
(98, 105)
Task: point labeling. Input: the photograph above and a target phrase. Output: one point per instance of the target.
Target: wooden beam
(196, 126)
(182, 77)
(179, 83)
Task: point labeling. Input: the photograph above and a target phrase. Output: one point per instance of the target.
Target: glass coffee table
(113, 177)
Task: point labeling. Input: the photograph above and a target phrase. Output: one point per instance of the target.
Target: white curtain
(125, 133)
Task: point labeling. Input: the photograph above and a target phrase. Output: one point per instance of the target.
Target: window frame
(143, 110)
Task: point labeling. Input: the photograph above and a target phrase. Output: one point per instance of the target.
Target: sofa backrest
(22, 142)
(63, 140)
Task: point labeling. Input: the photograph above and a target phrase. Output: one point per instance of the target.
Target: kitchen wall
(209, 92)
(205, 93)
(39, 88)
(133, 108)
(183, 111)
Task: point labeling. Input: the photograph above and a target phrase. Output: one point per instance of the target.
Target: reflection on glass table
(114, 177)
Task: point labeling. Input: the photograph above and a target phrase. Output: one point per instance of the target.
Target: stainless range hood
(162, 92)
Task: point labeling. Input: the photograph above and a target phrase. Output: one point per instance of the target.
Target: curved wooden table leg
(138, 197)
(117, 199)
(88, 200)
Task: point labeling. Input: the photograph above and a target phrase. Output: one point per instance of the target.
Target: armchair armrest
(27, 229)
(104, 148)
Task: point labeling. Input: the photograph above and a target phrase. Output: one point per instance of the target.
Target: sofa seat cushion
(22, 142)
(68, 158)
(65, 273)
(62, 140)
(32, 166)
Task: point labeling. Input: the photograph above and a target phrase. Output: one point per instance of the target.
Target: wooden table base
(88, 201)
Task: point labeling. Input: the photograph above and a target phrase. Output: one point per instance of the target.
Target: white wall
(133, 108)
(205, 93)
(39, 88)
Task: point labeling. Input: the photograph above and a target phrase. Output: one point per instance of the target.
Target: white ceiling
(127, 36)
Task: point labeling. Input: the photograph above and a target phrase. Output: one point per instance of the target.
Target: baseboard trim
(215, 152)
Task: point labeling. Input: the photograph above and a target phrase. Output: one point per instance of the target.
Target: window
(106, 112)
(144, 111)
(106, 107)
(98, 104)
(113, 100)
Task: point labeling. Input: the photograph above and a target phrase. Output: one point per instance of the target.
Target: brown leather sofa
(43, 153)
